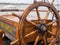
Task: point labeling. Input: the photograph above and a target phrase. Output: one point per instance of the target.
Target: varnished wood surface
(1, 33)
(28, 26)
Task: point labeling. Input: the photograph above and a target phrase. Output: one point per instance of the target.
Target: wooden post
(1, 33)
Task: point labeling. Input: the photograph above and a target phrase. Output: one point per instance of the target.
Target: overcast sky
(23, 1)
(17, 1)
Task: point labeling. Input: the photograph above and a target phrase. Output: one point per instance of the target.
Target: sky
(24, 1)
(17, 1)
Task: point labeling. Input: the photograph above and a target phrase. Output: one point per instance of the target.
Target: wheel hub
(42, 28)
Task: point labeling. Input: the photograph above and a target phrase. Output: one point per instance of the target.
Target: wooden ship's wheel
(23, 29)
(44, 29)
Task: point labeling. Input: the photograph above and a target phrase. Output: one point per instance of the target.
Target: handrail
(2, 10)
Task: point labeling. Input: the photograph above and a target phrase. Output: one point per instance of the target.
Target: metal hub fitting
(42, 28)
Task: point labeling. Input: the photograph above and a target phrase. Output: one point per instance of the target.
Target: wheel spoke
(48, 11)
(52, 1)
(51, 33)
(36, 41)
(50, 23)
(32, 23)
(45, 40)
(31, 33)
(53, 42)
(16, 15)
(23, 42)
(47, 14)
(38, 15)
(54, 29)
(14, 42)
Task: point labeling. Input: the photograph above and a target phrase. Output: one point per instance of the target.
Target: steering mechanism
(48, 26)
